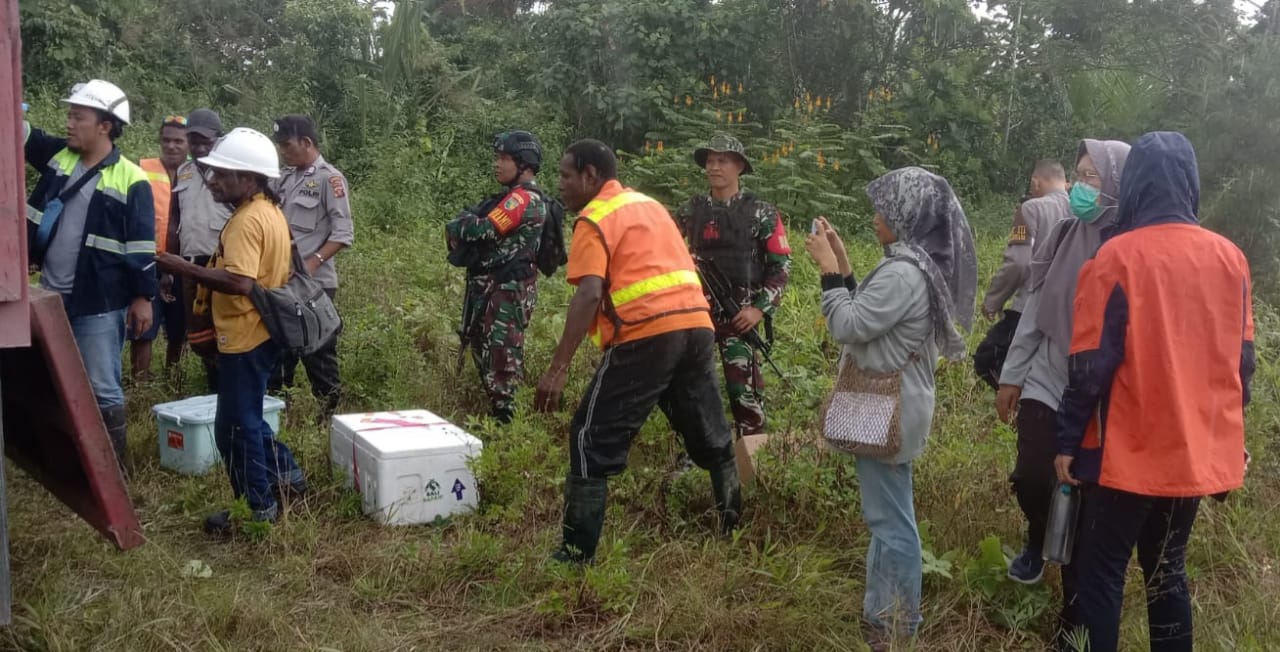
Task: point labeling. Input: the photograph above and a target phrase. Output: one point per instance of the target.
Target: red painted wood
(52, 427)
(14, 323)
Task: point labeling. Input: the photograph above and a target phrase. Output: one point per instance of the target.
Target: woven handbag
(862, 416)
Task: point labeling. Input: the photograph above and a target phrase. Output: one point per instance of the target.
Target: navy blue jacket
(116, 260)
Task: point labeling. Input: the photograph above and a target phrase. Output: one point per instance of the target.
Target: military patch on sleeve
(508, 215)
(339, 186)
(1019, 235)
(777, 243)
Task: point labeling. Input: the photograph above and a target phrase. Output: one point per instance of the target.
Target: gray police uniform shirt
(318, 206)
(58, 272)
(1034, 222)
(202, 218)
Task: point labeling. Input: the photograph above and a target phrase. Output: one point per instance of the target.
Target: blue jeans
(100, 339)
(892, 600)
(254, 458)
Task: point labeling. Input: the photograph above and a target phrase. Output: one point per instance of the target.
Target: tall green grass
(327, 578)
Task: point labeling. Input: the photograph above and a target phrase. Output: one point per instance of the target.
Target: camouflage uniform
(497, 241)
(760, 279)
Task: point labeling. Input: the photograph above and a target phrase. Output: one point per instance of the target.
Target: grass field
(327, 578)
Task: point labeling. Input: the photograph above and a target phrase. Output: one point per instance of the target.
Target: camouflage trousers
(503, 311)
(744, 383)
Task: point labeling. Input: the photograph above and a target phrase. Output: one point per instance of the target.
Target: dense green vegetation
(827, 94)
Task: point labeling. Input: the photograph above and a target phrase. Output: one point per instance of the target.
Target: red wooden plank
(53, 429)
(14, 323)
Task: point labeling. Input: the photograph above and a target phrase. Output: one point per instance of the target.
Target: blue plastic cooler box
(186, 431)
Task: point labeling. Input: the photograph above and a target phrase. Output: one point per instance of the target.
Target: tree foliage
(978, 97)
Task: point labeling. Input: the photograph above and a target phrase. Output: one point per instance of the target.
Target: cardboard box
(744, 451)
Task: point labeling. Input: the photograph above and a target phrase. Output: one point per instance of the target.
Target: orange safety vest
(650, 274)
(161, 190)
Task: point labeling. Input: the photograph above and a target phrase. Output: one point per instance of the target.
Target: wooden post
(15, 318)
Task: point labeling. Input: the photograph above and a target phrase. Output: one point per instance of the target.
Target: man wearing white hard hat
(254, 248)
(91, 231)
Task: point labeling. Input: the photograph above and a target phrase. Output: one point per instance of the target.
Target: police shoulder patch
(339, 186)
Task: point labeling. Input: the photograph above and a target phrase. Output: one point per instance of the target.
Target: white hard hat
(245, 150)
(98, 94)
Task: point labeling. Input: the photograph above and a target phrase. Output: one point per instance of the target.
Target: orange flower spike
(835, 165)
(742, 115)
(739, 88)
(659, 147)
(828, 102)
(713, 81)
(688, 100)
(808, 99)
(795, 104)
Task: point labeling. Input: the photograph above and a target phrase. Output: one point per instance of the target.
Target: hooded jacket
(1160, 367)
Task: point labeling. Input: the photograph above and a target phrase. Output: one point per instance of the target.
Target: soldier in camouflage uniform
(742, 239)
(497, 242)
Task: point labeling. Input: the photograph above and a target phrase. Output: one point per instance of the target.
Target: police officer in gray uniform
(195, 224)
(316, 202)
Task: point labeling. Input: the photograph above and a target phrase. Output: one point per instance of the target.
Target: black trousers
(1112, 524)
(988, 358)
(322, 371)
(674, 371)
(1034, 478)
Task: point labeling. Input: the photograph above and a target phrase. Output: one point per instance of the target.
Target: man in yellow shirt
(254, 248)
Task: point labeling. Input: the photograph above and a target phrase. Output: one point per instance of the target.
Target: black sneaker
(221, 525)
(1028, 568)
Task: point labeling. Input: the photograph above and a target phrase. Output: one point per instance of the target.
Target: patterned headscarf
(923, 212)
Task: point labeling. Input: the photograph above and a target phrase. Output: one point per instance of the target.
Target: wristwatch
(319, 257)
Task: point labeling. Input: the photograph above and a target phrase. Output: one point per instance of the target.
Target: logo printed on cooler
(431, 491)
(175, 440)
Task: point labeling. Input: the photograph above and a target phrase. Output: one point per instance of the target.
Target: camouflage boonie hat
(722, 143)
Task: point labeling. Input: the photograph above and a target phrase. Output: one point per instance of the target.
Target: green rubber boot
(584, 501)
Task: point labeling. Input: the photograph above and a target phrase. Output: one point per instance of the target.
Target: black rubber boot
(503, 415)
(584, 501)
(114, 419)
(728, 493)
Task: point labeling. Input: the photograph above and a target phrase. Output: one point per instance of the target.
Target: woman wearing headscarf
(900, 317)
(1035, 369)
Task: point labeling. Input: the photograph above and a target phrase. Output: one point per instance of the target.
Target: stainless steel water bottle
(1060, 532)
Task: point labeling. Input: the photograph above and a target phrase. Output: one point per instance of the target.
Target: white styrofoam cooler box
(408, 466)
(187, 444)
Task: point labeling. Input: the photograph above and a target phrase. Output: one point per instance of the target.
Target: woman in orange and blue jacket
(1152, 418)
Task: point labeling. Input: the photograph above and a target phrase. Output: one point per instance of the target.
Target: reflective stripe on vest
(654, 284)
(633, 289)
